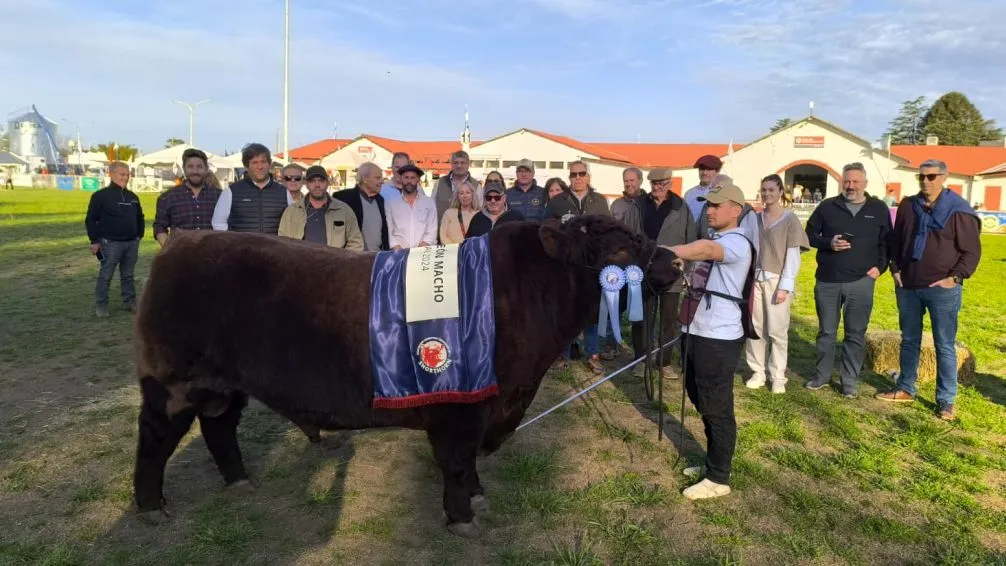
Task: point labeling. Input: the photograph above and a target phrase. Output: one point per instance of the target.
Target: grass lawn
(818, 479)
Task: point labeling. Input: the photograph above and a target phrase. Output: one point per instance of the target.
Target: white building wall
(345, 161)
(780, 151)
(523, 144)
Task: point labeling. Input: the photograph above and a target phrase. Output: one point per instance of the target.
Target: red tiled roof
(666, 154)
(1001, 168)
(427, 155)
(317, 150)
(965, 160)
(592, 149)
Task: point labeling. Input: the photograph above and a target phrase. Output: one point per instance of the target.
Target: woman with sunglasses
(494, 177)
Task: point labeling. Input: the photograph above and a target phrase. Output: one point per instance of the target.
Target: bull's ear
(554, 239)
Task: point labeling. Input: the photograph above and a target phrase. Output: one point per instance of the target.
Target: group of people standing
(741, 263)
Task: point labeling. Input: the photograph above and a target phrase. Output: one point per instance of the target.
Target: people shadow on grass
(296, 496)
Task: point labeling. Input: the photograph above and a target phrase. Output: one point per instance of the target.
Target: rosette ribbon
(612, 280)
(634, 278)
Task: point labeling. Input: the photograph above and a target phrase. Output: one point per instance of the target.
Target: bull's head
(597, 241)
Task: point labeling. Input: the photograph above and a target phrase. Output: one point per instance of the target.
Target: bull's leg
(159, 435)
(479, 501)
(455, 452)
(221, 435)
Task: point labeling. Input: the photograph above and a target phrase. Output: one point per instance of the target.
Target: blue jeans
(122, 254)
(591, 343)
(943, 306)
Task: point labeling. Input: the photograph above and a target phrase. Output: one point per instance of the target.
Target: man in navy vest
(256, 202)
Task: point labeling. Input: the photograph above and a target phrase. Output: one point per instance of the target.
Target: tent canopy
(167, 157)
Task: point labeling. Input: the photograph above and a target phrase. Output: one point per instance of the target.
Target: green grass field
(818, 479)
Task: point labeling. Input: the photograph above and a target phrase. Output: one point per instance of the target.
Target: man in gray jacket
(667, 220)
(626, 208)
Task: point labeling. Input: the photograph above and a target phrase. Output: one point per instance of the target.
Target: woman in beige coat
(454, 224)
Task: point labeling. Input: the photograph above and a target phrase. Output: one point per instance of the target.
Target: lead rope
(684, 378)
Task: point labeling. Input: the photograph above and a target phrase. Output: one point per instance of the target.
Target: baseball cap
(726, 192)
(493, 188)
(314, 172)
(526, 163)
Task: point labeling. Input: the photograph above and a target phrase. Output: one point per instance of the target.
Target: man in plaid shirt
(188, 206)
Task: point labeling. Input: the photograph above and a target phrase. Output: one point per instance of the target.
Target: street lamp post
(192, 109)
(286, 82)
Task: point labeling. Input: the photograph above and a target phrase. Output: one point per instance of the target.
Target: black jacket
(565, 205)
(481, 224)
(871, 230)
(114, 213)
(254, 209)
(352, 197)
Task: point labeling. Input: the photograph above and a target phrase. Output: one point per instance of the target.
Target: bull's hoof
(465, 530)
(241, 486)
(154, 517)
(480, 504)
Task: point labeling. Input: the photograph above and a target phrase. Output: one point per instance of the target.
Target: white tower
(466, 136)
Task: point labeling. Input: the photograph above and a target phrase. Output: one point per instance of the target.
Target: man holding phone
(851, 233)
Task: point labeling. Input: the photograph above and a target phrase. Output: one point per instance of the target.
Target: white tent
(167, 158)
(233, 161)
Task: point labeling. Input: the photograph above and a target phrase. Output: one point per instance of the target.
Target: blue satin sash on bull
(432, 326)
(613, 278)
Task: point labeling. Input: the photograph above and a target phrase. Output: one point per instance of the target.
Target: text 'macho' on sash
(431, 283)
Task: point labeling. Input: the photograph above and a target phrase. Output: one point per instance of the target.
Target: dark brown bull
(218, 308)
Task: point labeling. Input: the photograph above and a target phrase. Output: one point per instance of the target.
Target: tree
(956, 121)
(172, 142)
(908, 128)
(780, 124)
(117, 152)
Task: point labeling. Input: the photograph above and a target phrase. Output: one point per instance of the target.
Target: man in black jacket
(115, 224)
(256, 202)
(851, 233)
(367, 203)
(494, 213)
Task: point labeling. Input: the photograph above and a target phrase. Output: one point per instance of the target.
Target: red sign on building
(808, 141)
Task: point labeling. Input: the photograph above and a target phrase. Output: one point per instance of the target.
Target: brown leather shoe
(896, 396)
(595, 364)
(947, 413)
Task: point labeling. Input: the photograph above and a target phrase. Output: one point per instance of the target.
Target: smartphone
(100, 256)
(847, 237)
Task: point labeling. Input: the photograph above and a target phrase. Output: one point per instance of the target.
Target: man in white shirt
(412, 218)
(721, 281)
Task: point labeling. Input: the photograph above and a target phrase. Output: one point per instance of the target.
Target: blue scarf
(947, 204)
(445, 360)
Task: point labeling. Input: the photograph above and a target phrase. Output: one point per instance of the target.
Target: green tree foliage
(956, 121)
(780, 124)
(117, 152)
(908, 127)
(172, 142)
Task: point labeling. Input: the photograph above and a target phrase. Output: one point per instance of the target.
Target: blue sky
(598, 70)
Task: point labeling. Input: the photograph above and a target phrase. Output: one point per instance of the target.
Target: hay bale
(883, 351)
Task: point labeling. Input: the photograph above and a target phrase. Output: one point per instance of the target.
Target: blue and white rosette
(634, 278)
(612, 280)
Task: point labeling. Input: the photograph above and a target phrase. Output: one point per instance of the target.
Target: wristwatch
(958, 279)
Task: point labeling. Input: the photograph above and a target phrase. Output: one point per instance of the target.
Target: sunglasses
(575, 174)
(929, 176)
(286, 178)
(494, 197)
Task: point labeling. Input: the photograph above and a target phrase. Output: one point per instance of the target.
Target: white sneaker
(706, 489)
(694, 471)
(639, 370)
(755, 383)
(778, 388)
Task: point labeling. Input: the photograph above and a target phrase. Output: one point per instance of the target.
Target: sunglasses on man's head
(575, 174)
(929, 176)
(494, 197)
(289, 178)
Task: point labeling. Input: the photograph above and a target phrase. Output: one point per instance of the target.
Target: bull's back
(285, 321)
